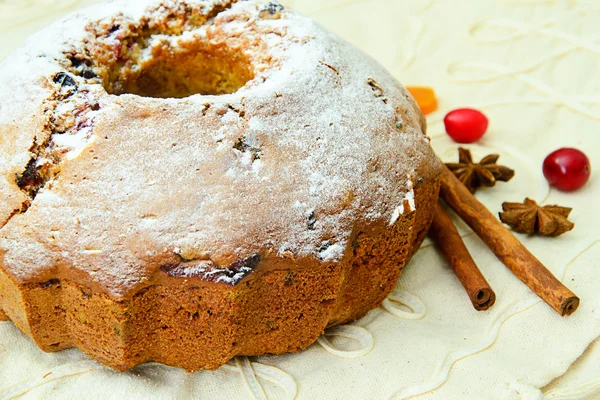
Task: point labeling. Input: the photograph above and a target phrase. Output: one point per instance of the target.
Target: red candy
(465, 125)
(567, 169)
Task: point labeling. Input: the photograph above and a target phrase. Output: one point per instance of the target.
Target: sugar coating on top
(319, 142)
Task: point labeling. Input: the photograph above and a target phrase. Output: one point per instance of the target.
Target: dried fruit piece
(485, 173)
(64, 80)
(249, 144)
(271, 11)
(312, 221)
(425, 98)
(528, 217)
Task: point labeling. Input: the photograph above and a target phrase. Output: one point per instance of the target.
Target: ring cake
(187, 181)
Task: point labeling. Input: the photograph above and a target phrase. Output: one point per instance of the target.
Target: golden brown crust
(194, 324)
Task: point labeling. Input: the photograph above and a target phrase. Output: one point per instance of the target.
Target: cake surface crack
(68, 129)
(208, 271)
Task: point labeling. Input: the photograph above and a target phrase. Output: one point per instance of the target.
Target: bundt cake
(185, 181)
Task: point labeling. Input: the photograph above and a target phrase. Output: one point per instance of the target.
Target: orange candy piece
(425, 98)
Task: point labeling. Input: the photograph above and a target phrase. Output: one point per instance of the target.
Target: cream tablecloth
(533, 66)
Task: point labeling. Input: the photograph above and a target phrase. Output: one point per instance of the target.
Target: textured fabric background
(532, 66)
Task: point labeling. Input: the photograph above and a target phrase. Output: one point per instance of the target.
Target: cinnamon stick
(506, 246)
(446, 237)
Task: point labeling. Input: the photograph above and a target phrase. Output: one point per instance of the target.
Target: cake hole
(327, 302)
(194, 67)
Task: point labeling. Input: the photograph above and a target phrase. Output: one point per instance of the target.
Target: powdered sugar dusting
(295, 160)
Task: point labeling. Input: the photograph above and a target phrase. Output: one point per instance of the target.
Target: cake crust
(238, 214)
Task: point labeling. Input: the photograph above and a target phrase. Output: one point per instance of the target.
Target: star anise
(485, 173)
(529, 217)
